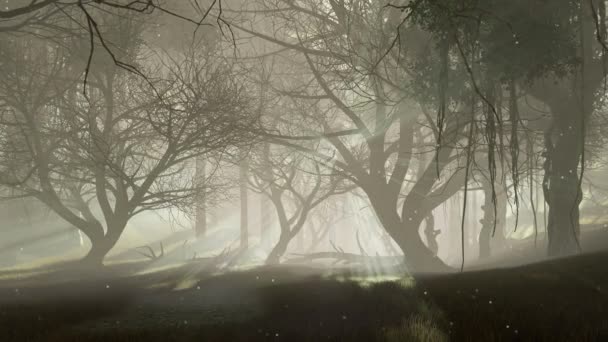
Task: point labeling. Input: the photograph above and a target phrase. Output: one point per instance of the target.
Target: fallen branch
(345, 258)
(150, 254)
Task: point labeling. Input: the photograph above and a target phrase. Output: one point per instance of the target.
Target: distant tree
(244, 201)
(295, 185)
(494, 219)
(326, 217)
(200, 215)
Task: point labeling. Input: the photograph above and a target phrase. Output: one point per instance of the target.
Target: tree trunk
(498, 240)
(102, 244)
(418, 258)
(488, 221)
(244, 236)
(100, 247)
(274, 257)
(288, 232)
(99, 250)
(200, 223)
(265, 221)
(571, 103)
(561, 184)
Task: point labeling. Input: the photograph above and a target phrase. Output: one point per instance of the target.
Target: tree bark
(99, 249)
(561, 184)
(571, 100)
(102, 244)
(274, 257)
(288, 231)
(418, 258)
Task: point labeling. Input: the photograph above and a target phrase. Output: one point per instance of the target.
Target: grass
(560, 300)
(415, 328)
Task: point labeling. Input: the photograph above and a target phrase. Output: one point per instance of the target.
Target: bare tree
(338, 54)
(56, 18)
(295, 185)
(123, 146)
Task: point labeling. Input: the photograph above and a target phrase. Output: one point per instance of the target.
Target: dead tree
(295, 185)
(366, 126)
(121, 146)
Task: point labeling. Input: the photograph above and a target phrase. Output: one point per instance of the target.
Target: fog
(418, 142)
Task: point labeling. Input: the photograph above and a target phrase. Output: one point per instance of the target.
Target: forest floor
(559, 300)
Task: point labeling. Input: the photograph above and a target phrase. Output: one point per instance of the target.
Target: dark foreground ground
(562, 300)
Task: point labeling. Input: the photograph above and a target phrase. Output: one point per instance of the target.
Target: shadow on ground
(284, 304)
(560, 300)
